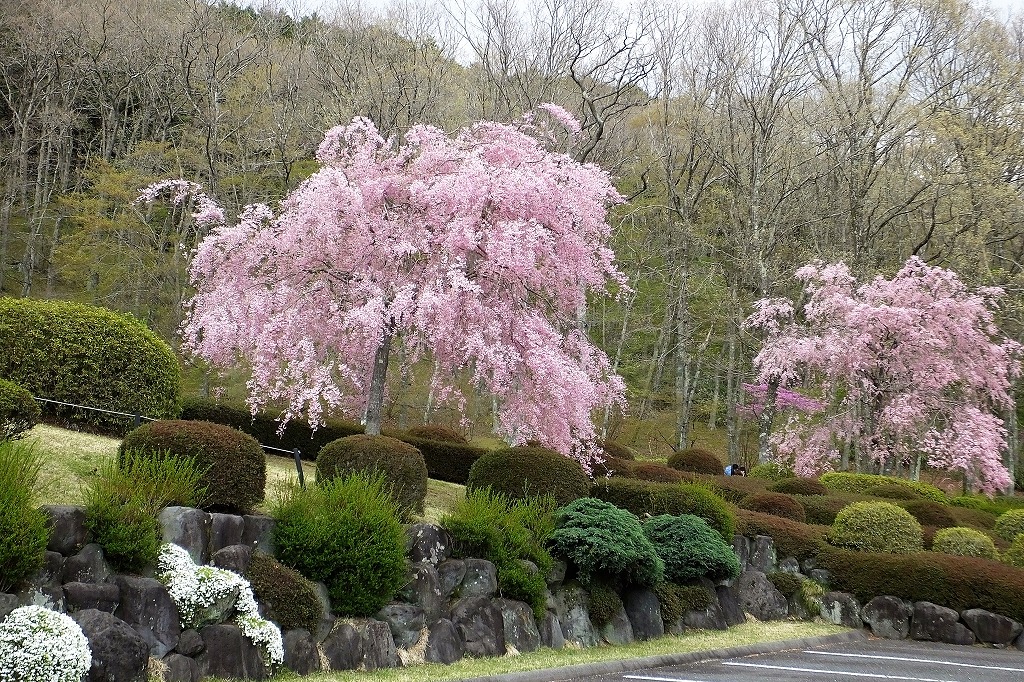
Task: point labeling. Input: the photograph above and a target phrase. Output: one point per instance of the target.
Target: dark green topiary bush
(876, 527)
(791, 538)
(678, 600)
(530, 471)
(930, 513)
(786, 583)
(964, 542)
(23, 531)
(345, 533)
(733, 489)
(289, 599)
(657, 473)
(975, 518)
(799, 486)
(892, 491)
(401, 465)
(1010, 524)
(770, 471)
(603, 542)
(644, 499)
(697, 460)
(610, 448)
(447, 461)
(18, 411)
(438, 432)
(89, 356)
(776, 504)
(234, 464)
(691, 549)
(822, 509)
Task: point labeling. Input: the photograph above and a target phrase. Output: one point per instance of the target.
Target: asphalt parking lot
(849, 662)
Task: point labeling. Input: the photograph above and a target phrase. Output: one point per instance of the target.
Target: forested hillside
(749, 139)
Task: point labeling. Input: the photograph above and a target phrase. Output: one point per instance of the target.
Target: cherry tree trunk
(375, 398)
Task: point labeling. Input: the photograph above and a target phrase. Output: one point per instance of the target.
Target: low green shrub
(506, 532)
(603, 542)
(1010, 524)
(964, 542)
(776, 504)
(89, 356)
(786, 583)
(861, 483)
(998, 505)
(438, 432)
(968, 501)
(930, 513)
(610, 448)
(290, 600)
(1014, 554)
(678, 600)
(447, 461)
(733, 489)
(345, 533)
(955, 582)
(23, 531)
(799, 486)
(975, 518)
(605, 602)
(697, 460)
(892, 491)
(690, 549)
(530, 471)
(644, 498)
(809, 595)
(770, 471)
(234, 464)
(876, 527)
(792, 539)
(401, 465)
(657, 473)
(18, 411)
(822, 509)
(611, 466)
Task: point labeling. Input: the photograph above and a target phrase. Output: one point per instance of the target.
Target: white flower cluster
(39, 645)
(195, 587)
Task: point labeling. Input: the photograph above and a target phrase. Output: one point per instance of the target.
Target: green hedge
(697, 460)
(861, 483)
(955, 582)
(447, 461)
(653, 499)
(776, 504)
(792, 539)
(400, 464)
(527, 471)
(18, 411)
(89, 356)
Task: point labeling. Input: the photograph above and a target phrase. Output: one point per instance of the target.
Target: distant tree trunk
(764, 422)
(375, 398)
(732, 395)
(1012, 446)
(681, 325)
(713, 412)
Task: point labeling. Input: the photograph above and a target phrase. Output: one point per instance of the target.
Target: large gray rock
(405, 621)
(119, 654)
(225, 531)
(820, 576)
(146, 606)
(180, 668)
(762, 556)
(67, 528)
(379, 650)
(189, 529)
(424, 590)
(840, 608)
(711, 618)
(481, 579)
(889, 617)
(450, 573)
(991, 628)
(556, 576)
(8, 602)
(790, 565)
(88, 566)
(360, 643)
(233, 558)
(741, 546)
(425, 542)
(571, 605)
(343, 647)
(443, 643)
(300, 653)
(258, 533)
(729, 601)
(551, 631)
(644, 613)
(759, 598)
(190, 643)
(618, 630)
(100, 596)
(328, 621)
(229, 654)
(520, 626)
(934, 623)
(480, 625)
(44, 587)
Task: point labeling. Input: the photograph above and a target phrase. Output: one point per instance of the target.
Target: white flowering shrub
(195, 589)
(39, 645)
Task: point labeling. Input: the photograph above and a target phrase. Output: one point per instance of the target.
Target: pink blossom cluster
(478, 250)
(785, 400)
(916, 363)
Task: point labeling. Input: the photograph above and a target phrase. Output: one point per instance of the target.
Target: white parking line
(876, 676)
(656, 679)
(916, 660)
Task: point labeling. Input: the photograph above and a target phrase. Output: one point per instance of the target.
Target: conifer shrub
(776, 504)
(876, 527)
(401, 465)
(930, 513)
(799, 486)
(1010, 524)
(23, 531)
(964, 542)
(791, 538)
(786, 583)
(530, 471)
(438, 432)
(347, 534)
(691, 549)
(678, 600)
(602, 542)
(290, 600)
(18, 411)
(770, 471)
(892, 491)
(644, 499)
(234, 466)
(697, 460)
(90, 356)
(605, 602)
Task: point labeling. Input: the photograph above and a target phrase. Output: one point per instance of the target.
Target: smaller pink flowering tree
(476, 250)
(914, 365)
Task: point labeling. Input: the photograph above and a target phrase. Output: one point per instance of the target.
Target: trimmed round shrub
(1014, 554)
(616, 450)
(612, 467)
(876, 527)
(290, 600)
(603, 542)
(930, 513)
(89, 356)
(698, 460)
(775, 504)
(822, 509)
(438, 432)
(770, 471)
(678, 600)
(1010, 524)
(345, 533)
(791, 538)
(658, 473)
(799, 486)
(964, 542)
(691, 549)
(23, 531)
(18, 411)
(892, 491)
(530, 471)
(401, 464)
(786, 583)
(644, 498)
(234, 466)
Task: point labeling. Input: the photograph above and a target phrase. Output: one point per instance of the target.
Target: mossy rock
(530, 471)
(401, 464)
